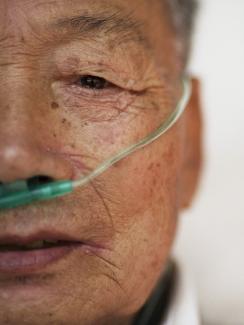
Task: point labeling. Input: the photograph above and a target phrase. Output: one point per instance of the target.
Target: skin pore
(51, 125)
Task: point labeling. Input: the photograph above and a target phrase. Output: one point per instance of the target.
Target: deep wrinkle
(116, 23)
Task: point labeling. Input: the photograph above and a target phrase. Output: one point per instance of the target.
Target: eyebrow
(124, 27)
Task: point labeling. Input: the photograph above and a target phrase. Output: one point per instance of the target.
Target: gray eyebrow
(123, 27)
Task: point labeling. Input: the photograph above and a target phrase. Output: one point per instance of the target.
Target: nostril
(39, 180)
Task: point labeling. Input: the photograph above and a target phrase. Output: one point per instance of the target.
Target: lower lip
(30, 261)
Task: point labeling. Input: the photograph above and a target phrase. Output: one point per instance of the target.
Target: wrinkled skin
(131, 210)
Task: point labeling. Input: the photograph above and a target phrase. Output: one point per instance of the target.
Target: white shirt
(183, 309)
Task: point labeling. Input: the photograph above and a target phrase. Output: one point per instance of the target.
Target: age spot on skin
(54, 105)
(66, 122)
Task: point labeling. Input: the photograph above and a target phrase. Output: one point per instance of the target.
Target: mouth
(36, 245)
(22, 255)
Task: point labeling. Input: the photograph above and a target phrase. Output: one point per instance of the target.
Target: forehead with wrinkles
(125, 19)
(115, 24)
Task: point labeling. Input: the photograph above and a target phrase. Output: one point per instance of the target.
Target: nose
(23, 159)
(27, 146)
(25, 143)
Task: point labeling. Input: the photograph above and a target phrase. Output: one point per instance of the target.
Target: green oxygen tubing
(24, 192)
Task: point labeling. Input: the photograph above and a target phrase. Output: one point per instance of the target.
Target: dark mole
(54, 105)
(84, 124)
(65, 121)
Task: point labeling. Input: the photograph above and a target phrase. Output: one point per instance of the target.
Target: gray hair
(182, 14)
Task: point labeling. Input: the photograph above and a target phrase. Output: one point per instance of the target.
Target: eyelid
(110, 90)
(116, 77)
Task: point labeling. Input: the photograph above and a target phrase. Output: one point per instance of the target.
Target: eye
(92, 82)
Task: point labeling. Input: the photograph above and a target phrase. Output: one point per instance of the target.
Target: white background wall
(211, 236)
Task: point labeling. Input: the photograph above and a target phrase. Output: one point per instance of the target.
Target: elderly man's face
(127, 216)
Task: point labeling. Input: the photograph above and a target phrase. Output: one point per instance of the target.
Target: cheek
(146, 179)
(145, 219)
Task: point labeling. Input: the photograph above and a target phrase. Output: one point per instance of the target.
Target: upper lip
(8, 239)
